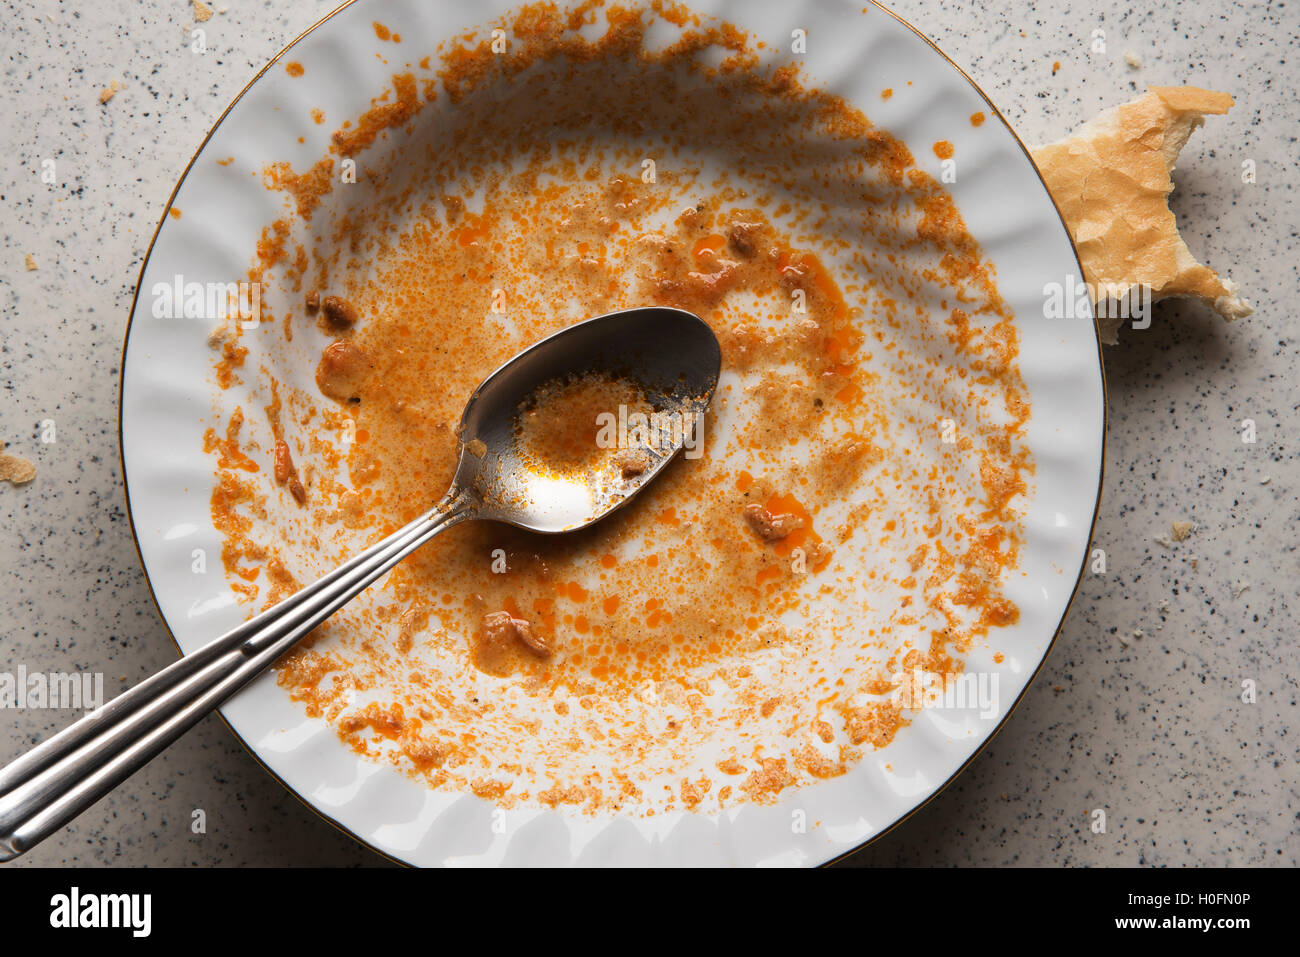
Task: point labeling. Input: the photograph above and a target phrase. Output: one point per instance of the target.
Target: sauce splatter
(761, 596)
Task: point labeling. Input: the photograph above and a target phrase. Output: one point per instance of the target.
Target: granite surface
(1151, 728)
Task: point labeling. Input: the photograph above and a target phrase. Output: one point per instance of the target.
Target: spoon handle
(57, 780)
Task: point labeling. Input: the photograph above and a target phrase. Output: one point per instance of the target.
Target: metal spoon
(674, 360)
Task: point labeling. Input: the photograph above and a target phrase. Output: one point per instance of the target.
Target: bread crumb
(1182, 529)
(110, 91)
(202, 12)
(16, 470)
(1265, 480)
(217, 337)
(1162, 606)
(31, 263)
(1132, 60)
(1163, 540)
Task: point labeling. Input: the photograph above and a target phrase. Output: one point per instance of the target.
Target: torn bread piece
(16, 470)
(1111, 181)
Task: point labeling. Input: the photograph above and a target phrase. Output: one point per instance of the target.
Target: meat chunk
(742, 238)
(312, 301)
(283, 463)
(287, 473)
(502, 629)
(769, 527)
(632, 462)
(338, 311)
(342, 371)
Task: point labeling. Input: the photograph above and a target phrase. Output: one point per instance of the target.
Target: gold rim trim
(898, 822)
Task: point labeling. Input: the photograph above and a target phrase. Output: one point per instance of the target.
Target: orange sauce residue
(656, 617)
(294, 68)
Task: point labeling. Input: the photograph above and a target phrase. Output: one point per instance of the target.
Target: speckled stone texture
(1152, 729)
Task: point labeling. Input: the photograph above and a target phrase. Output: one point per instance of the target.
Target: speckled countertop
(1152, 729)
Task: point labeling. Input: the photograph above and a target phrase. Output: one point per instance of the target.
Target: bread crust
(1111, 181)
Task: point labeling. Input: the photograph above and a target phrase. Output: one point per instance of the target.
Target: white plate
(167, 401)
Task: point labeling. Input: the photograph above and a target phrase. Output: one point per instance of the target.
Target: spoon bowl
(669, 358)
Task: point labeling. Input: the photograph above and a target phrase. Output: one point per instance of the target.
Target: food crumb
(771, 527)
(338, 311)
(1163, 540)
(1182, 530)
(501, 627)
(110, 91)
(312, 301)
(1265, 480)
(202, 12)
(294, 68)
(15, 469)
(1056, 67)
(31, 263)
(632, 462)
(1132, 60)
(476, 448)
(1239, 588)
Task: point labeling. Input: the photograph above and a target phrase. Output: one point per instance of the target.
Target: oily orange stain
(850, 393)
(800, 264)
(708, 247)
(473, 231)
(787, 504)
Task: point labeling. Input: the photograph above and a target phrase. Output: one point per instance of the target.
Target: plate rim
(883, 832)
